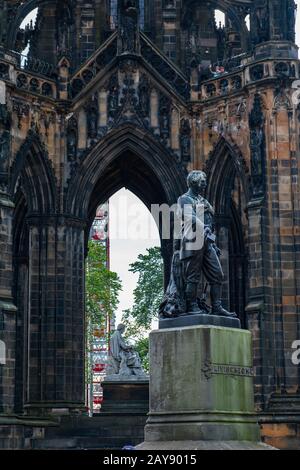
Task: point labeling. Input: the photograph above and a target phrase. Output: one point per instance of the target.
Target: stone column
(56, 314)
(7, 309)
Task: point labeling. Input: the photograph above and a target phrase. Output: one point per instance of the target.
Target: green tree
(148, 295)
(102, 290)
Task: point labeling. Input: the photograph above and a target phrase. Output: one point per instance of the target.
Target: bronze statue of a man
(195, 253)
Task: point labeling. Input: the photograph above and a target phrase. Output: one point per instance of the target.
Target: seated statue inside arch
(195, 253)
(123, 360)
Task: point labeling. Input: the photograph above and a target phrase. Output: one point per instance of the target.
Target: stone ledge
(203, 445)
(195, 320)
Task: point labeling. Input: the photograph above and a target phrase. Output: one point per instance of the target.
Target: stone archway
(33, 190)
(50, 235)
(128, 157)
(229, 193)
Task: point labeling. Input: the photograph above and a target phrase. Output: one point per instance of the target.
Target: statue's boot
(216, 304)
(191, 299)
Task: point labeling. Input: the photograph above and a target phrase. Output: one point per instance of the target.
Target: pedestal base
(201, 386)
(125, 396)
(194, 320)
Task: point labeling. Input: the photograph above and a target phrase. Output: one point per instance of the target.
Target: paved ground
(203, 445)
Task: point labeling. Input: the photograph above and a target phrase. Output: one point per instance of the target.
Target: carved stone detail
(257, 147)
(185, 139)
(72, 139)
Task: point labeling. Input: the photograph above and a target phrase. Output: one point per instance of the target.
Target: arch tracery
(228, 191)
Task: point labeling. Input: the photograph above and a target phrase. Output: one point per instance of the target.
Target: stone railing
(253, 72)
(97, 62)
(35, 84)
(32, 64)
(32, 76)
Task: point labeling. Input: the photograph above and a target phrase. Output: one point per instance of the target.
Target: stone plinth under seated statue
(201, 373)
(126, 385)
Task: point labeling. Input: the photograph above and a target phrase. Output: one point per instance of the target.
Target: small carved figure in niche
(5, 123)
(5, 116)
(144, 96)
(113, 96)
(291, 18)
(164, 118)
(63, 26)
(262, 21)
(185, 139)
(129, 25)
(4, 151)
(93, 122)
(256, 141)
(92, 116)
(191, 258)
(128, 34)
(257, 146)
(72, 140)
(123, 360)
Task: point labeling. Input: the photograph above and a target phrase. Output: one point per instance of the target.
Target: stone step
(59, 444)
(106, 443)
(116, 430)
(83, 442)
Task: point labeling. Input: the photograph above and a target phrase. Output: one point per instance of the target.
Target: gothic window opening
(113, 14)
(247, 21)
(220, 18)
(26, 34)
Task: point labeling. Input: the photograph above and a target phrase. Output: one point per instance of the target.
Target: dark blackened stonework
(136, 94)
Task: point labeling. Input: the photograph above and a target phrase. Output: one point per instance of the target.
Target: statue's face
(201, 184)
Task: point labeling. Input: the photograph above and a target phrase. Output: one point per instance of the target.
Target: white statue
(123, 360)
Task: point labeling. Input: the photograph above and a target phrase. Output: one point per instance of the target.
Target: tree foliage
(147, 298)
(102, 295)
(102, 286)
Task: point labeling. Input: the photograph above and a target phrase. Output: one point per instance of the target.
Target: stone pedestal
(125, 396)
(201, 388)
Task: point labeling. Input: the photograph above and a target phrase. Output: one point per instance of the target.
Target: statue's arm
(189, 214)
(123, 345)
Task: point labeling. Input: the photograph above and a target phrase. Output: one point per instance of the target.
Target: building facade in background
(98, 353)
(135, 94)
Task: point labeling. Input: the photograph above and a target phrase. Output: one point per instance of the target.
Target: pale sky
(125, 251)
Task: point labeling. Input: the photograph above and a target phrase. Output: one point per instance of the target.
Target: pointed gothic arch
(127, 157)
(33, 171)
(228, 191)
(136, 154)
(33, 190)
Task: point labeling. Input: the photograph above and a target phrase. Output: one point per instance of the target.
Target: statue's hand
(218, 251)
(207, 231)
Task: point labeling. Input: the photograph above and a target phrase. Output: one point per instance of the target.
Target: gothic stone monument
(201, 374)
(114, 96)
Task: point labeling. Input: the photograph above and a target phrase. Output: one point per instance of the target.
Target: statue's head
(121, 327)
(197, 181)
